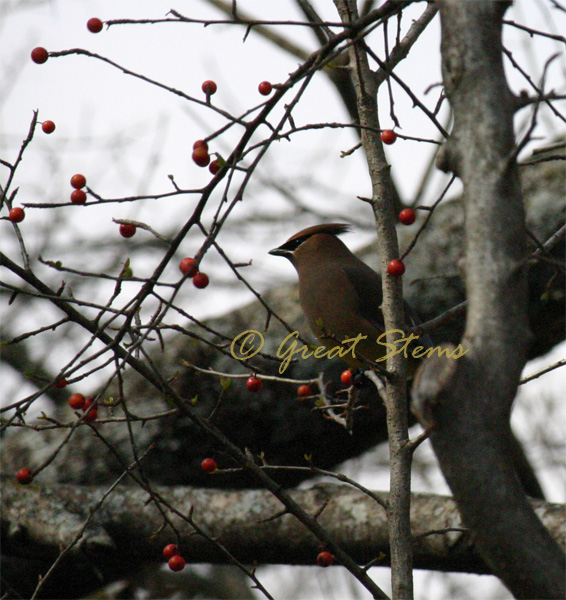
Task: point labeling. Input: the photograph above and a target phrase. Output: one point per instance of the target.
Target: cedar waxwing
(340, 295)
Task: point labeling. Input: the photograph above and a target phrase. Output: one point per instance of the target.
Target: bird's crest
(331, 228)
(296, 240)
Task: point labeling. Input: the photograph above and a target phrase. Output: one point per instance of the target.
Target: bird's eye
(292, 245)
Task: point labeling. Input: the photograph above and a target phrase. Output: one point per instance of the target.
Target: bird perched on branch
(341, 296)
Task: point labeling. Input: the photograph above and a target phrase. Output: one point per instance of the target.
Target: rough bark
(39, 521)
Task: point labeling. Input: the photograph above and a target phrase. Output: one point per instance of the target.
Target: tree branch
(242, 520)
(383, 202)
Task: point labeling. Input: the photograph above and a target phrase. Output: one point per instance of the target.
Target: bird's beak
(279, 252)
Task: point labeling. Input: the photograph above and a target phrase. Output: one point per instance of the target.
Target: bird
(341, 296)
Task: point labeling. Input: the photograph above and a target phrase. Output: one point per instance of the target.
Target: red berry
(407, 216)
(324, 559)
(78, 181)
(304, 390)
(200, 144)
(91, 416)
(200, 280)
(215, 166)
(265, 88)
(127, 230)
(209, 87)
(208, 465)
(170, 550)
(254, 384)
(94, 25)
(388, 136)
(188, 267)
(60, 383)
(17, 214)
(39, 55)
(78, 197)
(48, 126)
(396, 268)
(346, 378)
(176, 563)
(91, 413)
(24, 476)
(77, 401)
(201, 156)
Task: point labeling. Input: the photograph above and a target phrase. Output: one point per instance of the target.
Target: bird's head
(313, 242)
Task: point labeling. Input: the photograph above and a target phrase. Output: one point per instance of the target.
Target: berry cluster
(78, 402)
(78, 195)
(189, 267)
(202, 158)
(200, 155)
(174, 560)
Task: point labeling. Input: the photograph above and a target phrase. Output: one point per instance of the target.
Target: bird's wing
(367, 286)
